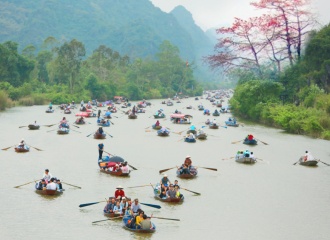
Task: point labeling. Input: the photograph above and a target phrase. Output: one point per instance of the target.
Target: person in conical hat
(119, 192)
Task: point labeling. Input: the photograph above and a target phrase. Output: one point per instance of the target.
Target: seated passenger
(146, 223)
(171, 192)
(117, 209)
(110, 205)
(41, 184)
(162, 191)
(157, 123)
(165, 181)
(51, 185)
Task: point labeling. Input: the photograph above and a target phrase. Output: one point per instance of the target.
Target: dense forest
(130, 27)
(62, 72)
(281, 66)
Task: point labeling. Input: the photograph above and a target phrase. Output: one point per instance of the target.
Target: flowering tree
(277, 35)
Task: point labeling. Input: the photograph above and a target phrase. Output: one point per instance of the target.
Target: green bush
(5, 101)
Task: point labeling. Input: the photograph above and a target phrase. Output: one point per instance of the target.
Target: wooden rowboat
(98, 135)
(216, 114)
(126, 226)
(232, 123)
(156, 127)
(131, 116)
(113, 215)
(49, 192)
(33, 127)
(22, 150)
(49, 110)
(201, 136)
(119, 173)
(159, 116)
(67, 111)
(313, 162)
(212, 126)
(169, 200)
(163, 134)
(191, 131)
(193, 174)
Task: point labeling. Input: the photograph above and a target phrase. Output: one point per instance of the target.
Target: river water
(272, 199)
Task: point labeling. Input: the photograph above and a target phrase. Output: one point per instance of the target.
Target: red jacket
(119, 192)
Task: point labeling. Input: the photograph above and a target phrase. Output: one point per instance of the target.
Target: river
(272, 199)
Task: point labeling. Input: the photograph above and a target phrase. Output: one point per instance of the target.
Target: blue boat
(106, 124)
(190, 140)
(250, 142)
(126, 220)
(232, 122)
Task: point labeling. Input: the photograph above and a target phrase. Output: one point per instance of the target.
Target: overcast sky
(215, 13)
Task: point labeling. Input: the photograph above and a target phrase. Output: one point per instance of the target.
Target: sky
(214, 13)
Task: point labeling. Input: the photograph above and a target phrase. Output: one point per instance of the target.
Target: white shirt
(125, 169)
(51, 186)
(47, 177)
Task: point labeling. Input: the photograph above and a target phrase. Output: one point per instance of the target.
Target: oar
(111, 122)
(8, 148)
(51, 130)
(89, 134)
(75, 131)
(262, 142)
(107, 219)
(164, 170)
(25, 184)
(296, 162)
(88, 204)
(75, 126)
(115, 117)
(22, 126)
(38, 149)
(236, 142)
(109, 153)
(213, 169)
(109, 135)
(190, 191)
(147, 127)
(324, 163)
(224, 126)
(181, 139)
(173, 219)
(140, 186)
(148, 130)
(49, 125)
(71, 185)
(151, 205)
(132, 167)
(227, 158)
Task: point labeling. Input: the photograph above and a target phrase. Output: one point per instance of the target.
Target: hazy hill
(133, 27)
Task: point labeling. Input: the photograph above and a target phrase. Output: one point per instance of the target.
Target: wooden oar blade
(152, 205)
(88, 204)
(139, 186)
(24, 184)
(22, 126)
(213, 169)
(132, 167)
(71, 185)
(38, 149)
(164, 170)
(172, 219)
(4, 149)
(236, 142)
(191, 191)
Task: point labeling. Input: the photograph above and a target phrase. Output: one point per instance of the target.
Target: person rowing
(64, 123)
(21, 144)
(119, 192)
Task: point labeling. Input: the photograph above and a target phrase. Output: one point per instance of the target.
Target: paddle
(111, 122)
(75, 126)
(324, 163)
(139, 186)
(224, 126)
(38, 149)
(164, 170)
(88, 204)
(132, 167)
(190, 191)
(213, 169)
(75, 131)
(5, 149)
(89, 134)
(51, 130)
(24, 184)
(151, 205)
(71, 185)
(49, 125)
(109, 134)
(22, 126)
(181, 139)
(262, 142)
(107, 219)
(147, 127)
(236, 142)
(296, 162)
(173, 219)
(227, 158)
(109, 153)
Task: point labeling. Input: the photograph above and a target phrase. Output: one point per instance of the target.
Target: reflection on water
(271, 199)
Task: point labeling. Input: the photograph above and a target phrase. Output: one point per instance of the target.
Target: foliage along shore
(61, 72)
(298, 100)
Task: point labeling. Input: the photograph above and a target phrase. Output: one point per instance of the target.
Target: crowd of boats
(120, 206)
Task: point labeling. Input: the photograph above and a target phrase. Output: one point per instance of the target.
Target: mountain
(132, 27)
